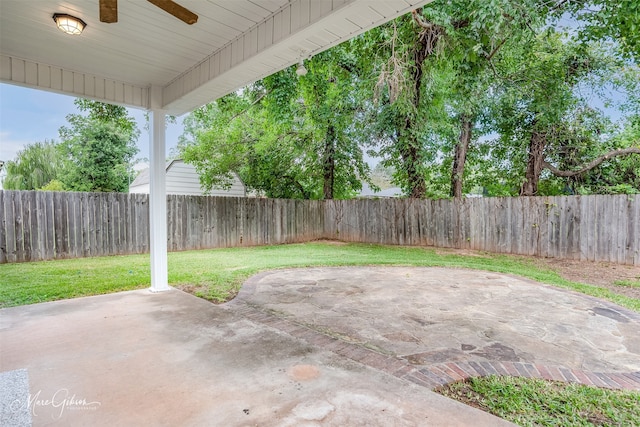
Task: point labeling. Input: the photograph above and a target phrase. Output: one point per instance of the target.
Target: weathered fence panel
(53, 225)
(595, 228)
(36, 225)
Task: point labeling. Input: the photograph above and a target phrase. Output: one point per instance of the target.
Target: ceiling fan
(109, 11)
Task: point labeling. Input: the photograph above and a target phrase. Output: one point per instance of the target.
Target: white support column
(157, 194)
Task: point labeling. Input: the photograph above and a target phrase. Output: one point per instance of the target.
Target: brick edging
(439, 374)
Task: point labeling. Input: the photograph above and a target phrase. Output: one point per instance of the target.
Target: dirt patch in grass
(618, 278)
(602, 274)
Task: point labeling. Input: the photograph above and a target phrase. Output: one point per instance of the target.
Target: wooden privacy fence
(52, 225)
(38, 225)
(200, 222)
(596, 228)
(41, 225)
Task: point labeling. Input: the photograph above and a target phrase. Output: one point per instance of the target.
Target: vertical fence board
(586, 209)
(92, 219)
(85, 225)
(112, 223)
(516, 228)
(621, 238)
(602, 240)
(59, 226)
(119, 224)
(635, 232)
(79, 224)
(71, 216)
(98, 225)
(49, 242)
(171, 229)
(128, 247)
(11, 227)
(142, 221)
(30, 226)
(574, 228)
(3, 227)
(18, 218)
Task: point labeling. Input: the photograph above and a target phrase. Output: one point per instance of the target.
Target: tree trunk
(411, 160)
(329, 163)
(460, 156)
(410, 150)
(535, 164)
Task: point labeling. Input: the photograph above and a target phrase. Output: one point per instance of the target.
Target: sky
(29, 115)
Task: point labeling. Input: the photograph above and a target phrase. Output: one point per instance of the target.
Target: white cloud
(9, 147)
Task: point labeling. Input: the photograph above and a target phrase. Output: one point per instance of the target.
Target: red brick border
(436, 375)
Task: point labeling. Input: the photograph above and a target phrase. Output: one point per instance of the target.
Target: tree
(544, 106)
(423, 106)
(400, 51)
(35, 166)
(331, 108)
(607, 165)
(232, 135)
(607, 19)
(427, 91)
(286, 135)
(98, 148)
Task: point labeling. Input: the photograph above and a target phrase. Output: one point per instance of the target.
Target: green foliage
(34, 166)
(285, 136)
(620, 175)
(612, 19)
(536, 402)
(105, 113)
(547, 93)
(98, 148)
(404, 91)
(53, 185)
(424, 102)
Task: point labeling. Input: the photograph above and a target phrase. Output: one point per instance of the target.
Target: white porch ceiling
(234, 43)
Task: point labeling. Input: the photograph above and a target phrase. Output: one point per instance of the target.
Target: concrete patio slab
(171, 359)
(429, 316)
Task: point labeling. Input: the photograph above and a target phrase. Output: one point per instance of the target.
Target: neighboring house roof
(143, 176)
(367, 192)
(182, 178)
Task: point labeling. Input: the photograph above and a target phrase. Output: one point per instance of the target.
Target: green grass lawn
(534, 402)
(217, 274)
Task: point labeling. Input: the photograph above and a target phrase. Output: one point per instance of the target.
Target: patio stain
(303, 372)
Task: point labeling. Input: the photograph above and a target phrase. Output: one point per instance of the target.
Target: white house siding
(183, 179)
(143, 189)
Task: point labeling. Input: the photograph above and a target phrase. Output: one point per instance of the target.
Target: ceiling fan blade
(176, 10)
(109, 11)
